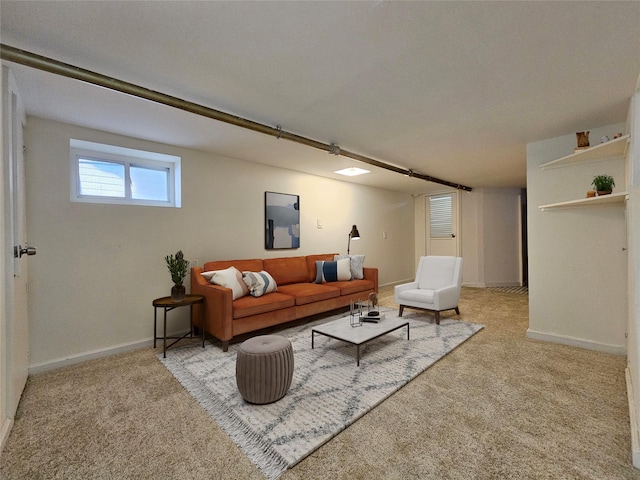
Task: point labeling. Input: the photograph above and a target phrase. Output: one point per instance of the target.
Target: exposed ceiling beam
(29, 59)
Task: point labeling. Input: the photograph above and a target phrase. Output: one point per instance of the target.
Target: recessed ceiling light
(352, 171)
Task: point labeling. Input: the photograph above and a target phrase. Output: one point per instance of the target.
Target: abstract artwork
(282, 220)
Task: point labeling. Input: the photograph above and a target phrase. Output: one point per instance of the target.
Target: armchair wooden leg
(457, 311)
(401, 309)
(437, 318)
(225, 346)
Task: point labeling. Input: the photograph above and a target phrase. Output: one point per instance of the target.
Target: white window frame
(127, 157)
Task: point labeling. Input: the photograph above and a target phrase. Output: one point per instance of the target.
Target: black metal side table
(167, 305)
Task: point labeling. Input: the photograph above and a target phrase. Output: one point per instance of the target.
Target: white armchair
(436, 287)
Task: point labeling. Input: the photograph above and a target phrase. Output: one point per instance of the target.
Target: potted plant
(603, 184)
(178, 267)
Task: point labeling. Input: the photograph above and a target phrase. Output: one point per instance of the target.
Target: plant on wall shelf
(178, 267)
(603, 184)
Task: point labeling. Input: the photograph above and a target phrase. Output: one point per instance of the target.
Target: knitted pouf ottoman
(264, 368)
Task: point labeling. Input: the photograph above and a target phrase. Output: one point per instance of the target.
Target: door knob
(453, 235)
(18, 251)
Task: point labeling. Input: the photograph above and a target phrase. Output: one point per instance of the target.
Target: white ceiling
(454, 90)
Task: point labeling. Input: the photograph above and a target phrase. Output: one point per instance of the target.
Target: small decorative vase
(178, 293)
(583, 139)
(591, 193)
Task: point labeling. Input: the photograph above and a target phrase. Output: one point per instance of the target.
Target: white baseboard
(90, 355)
(399, 282)
(577, 342)
(7, 424)
(491, 284)
(635, 443)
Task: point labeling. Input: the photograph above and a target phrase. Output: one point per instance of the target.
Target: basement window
(117, 175)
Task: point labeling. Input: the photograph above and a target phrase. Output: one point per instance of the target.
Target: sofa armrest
(218, 306)
(372, 275)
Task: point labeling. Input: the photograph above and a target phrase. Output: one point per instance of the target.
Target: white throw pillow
(357, 265)
(230, 278)
(259, 283)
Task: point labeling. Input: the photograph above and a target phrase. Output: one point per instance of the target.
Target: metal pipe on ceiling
(29, 59)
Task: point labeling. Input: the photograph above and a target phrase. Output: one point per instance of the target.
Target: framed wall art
(281, 220)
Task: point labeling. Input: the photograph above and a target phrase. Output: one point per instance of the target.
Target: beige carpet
(499, 406)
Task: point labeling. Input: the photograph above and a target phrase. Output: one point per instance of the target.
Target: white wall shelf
(613, 198)
(616, 148)
(611, 149)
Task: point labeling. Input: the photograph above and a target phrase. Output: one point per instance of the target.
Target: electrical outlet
(384, 235)
(193, 263)
(319, 224)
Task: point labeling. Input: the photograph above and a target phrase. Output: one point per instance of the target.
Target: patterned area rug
(328, 391)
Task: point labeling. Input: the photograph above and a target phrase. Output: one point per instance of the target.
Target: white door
(442, 224)
(15, 358)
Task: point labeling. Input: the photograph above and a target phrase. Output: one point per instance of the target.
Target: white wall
(577, 266)
(501, 237)
(472, 241)
(491, 237)
(99, 267)
(420, 231)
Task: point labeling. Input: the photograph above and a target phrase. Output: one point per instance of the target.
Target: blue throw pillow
(339, 270)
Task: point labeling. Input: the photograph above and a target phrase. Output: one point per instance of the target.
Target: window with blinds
(440, 217)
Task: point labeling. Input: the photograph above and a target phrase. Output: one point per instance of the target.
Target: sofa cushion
(357, 265)
(338, 270)
(229, 278)
(259, 283)
(310, 292)
(287, 270)
(353, 286)
(247, 306)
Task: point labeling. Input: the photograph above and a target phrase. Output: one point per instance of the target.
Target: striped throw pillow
(259, 283)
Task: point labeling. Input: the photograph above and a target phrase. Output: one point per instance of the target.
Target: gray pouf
(264, 368)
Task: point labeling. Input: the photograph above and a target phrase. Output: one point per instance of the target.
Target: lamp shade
(355, 234)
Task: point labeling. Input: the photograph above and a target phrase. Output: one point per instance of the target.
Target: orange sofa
(297, 296)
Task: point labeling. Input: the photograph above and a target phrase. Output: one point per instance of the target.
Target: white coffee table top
(341, 329)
